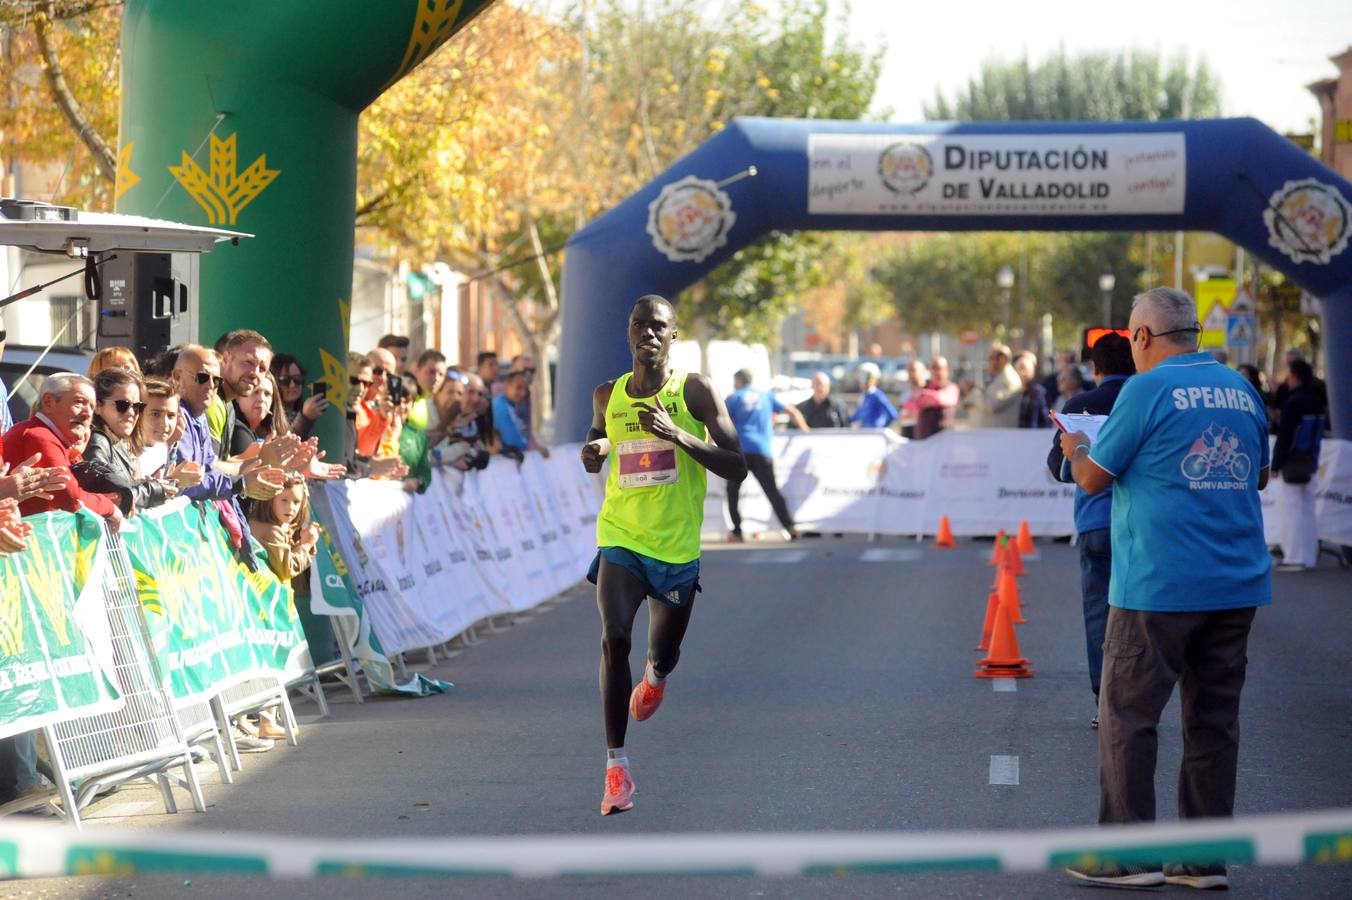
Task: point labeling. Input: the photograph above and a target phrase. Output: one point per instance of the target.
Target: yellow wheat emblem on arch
(434, 24)
(223, 191)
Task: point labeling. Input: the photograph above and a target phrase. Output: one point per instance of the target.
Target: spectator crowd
(231, 428)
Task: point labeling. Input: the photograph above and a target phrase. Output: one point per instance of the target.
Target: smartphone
(320, 388)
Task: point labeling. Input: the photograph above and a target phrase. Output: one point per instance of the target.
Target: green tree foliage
(678, 75)
(947, 282)
(1137, 84)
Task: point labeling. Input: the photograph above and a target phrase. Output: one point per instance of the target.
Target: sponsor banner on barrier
(212, 622)
(333, 594)
(56, 646)
(426, 567)
(1333, 493)
(983, 480)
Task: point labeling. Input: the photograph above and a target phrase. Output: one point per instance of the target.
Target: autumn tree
(59, 93)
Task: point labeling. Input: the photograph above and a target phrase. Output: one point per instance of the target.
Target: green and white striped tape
(31, 850)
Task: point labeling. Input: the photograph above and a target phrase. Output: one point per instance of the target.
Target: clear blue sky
(1264, 52)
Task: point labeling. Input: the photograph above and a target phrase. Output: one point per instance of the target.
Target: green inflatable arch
(244, 115)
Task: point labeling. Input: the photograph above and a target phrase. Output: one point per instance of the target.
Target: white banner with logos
(984, 479)
(997, 174)
(474, 545)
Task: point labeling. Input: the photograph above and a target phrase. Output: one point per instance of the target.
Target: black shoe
(1117, 876)
(1205, 878)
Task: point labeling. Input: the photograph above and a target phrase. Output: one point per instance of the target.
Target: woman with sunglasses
(117, 405)
(301, 412)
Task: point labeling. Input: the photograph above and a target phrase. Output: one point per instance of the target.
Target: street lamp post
(1107, 281)
(1004, 279)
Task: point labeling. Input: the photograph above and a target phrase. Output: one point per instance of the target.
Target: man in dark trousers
(1185, 452)
(1093, 513)
(752, 410)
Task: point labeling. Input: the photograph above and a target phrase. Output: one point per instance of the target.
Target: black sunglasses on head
(123, 405)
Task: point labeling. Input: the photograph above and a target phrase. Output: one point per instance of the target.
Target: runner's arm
(722, 454)
(591, 455)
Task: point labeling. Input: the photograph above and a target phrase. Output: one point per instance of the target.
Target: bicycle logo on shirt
(1216, 452)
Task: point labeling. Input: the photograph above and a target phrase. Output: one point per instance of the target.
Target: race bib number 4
(646, 462)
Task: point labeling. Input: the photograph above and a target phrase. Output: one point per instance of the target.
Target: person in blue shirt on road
(874, 410)
(1093, 513)
(1186, 453)
(751, 410)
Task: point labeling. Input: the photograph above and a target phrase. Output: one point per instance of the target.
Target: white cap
(870, 370)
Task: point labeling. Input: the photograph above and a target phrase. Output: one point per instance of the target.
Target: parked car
(19, 358)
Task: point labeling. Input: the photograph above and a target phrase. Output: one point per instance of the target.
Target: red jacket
(34, 436)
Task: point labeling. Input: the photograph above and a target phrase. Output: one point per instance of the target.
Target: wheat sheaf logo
(905, 168)
(48, 582)
(173, 591)
(690, 219)
(224, 191)
(1308, 221)
(11, 613)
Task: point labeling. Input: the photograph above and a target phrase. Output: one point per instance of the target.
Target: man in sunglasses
(1185, 451)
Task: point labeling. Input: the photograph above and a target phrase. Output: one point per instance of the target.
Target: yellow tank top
(654, 501)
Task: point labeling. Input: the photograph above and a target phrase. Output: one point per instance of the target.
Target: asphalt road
(825, 685)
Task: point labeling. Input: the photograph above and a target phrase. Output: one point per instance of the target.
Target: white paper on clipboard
(1081, 423)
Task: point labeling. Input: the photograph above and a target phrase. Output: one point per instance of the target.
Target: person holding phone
(666, 429)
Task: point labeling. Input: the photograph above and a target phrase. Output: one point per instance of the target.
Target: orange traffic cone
(1009, 596)
(1004, 660)
(1025, 537)
(1014, 559)
(995, 550)
(992, 603)
(945, 536)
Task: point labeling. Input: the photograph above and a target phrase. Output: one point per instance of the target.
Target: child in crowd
(156, 437)
(282, 525)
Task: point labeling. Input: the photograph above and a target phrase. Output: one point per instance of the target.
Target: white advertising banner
(474, 545)
(983, 480)
(1005, 174)
(1333, 493)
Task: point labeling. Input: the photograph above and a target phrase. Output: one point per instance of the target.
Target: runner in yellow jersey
(663, 429)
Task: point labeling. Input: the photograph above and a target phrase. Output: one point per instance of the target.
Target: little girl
(282, 525)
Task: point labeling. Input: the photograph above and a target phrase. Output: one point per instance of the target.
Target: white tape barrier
(38, 850)
(873, 482)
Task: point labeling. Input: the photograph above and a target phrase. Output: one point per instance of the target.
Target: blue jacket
(1091, 512)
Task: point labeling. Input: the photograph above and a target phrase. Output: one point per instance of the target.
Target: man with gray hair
(55, 438)
(1185, 451)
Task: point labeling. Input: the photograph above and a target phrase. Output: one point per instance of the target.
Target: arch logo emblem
(690, 219)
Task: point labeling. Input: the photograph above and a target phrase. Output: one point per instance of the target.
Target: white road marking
(774, 556)
(1004, 685)
(891, 554)
(1004, 769)
(125, 809)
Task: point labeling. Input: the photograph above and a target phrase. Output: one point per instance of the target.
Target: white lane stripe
(1004, 769)
(1004, 685)
(891, 554)
(774, 556)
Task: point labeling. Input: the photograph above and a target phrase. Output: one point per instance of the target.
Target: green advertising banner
(56, 647)
(212, 622)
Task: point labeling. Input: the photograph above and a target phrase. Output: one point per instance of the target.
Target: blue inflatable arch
(1235, 177)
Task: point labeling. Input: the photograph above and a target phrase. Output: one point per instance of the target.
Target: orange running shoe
(619, 793)
(645, 699)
